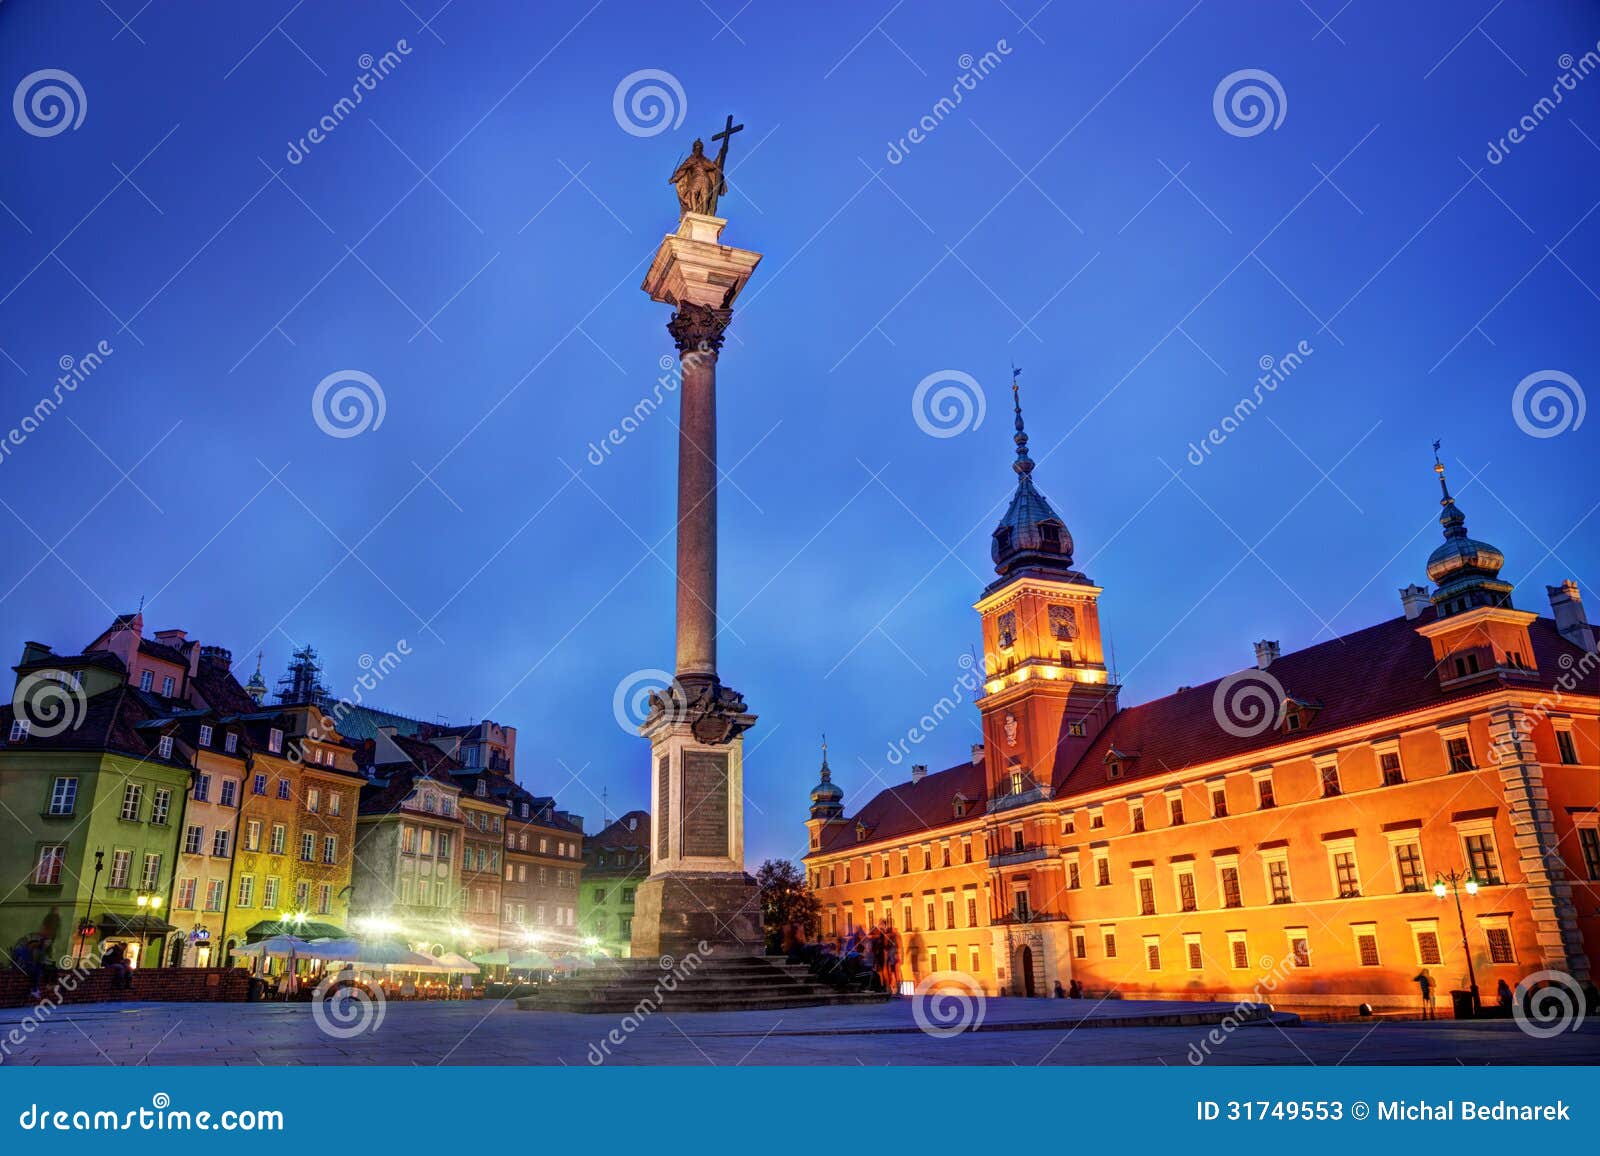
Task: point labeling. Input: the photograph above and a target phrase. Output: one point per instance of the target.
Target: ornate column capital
(698, 328)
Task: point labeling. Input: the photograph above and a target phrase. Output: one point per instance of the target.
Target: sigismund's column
(698, 890)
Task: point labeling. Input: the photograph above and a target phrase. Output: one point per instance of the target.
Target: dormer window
(1050, 537)
(1466, 664)
(958, 807)
(1113, 768)
(1002, 539)
(483, 789)
(861, 832)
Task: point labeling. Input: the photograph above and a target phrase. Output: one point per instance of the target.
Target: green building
(615, 861)
(97, 774)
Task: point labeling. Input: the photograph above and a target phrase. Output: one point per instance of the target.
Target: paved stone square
(1014, 1031)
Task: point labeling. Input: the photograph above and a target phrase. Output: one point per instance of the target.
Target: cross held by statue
(727, 132)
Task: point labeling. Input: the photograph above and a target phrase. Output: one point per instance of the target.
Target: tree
(785, 899)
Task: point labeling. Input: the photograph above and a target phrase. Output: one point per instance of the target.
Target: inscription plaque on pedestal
(705, 804)
(663, 807)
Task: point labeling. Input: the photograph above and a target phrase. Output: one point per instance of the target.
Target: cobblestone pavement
(1015, 1032)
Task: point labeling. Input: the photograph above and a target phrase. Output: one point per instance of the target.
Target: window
(1219, 803)
(1481, 858)
(1330, 779)
(313, 800)
(247, 891)
(275, 741)
(147, 680)
(1264, 793)
(330, 848)
(202, 788)
(308, 846)
(283, 788)
(160, 806)
(336, 805)
(324, 898)
(252, 835)
(1367, 944)
(1020, 906)
(950, 911)
(258, 785)
(972, 909)
(1080, 945)
(275, 841)
(1102, 870)
(185, 897)
(1459, 753)
(229, 793)
(269, 893)
(1147, 894)
(191, 840)
(230, 743)
(1389, 764)
(47, 868)
(1408, 866)
(64, 796)
(1152, 953)
(1017, 842)
(1500, 949)
(120, 861)
(1426, 938)
(164, 747)
(1466, 664)
(132, 798)
(1589, 842)
(219, 843)
(1565, 745)
(168, 686)
(1299, 947)
(205, 735)
(1097, 819)
(1238, 950)
(1346, 879)
(1186, 895)
(1074, 881)
(1191, 950)
(302, 890)
(1108, 940)
(1136, 813)
(215, 893)
(1228, 876)
(19, 729)
(1278, 880)
(1175, 809)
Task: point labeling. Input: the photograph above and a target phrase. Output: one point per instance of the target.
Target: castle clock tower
(1047, 694)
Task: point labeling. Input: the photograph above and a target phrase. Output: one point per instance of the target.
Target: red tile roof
(1380, 672)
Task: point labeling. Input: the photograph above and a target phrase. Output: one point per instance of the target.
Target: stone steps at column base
(748, 983)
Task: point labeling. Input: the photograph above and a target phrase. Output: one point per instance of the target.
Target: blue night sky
(473, 236)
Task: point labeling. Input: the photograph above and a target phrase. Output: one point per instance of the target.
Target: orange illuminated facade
(1276, 833)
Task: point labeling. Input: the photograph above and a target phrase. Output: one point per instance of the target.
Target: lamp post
(86, 928)
(149, 904)
(1453, 884)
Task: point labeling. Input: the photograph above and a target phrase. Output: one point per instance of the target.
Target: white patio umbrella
(533, 961)
(455, 962)
(277, 945)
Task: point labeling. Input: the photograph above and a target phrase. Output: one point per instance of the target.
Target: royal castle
(1301, 829)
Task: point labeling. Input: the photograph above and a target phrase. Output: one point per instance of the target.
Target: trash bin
(1463, 1004)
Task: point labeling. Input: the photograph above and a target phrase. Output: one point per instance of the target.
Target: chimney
(172, 638)
(1267, 653)
(1414, 600)
(977, 754)
(386, 750)
(919, 771)
(1566, 607)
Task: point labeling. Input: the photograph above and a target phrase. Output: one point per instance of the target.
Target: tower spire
(1024, 464)
(1452, 519)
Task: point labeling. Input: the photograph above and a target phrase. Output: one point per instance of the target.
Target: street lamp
(86, 928)
(149, 904)
(1453, 884)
